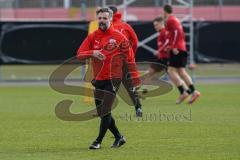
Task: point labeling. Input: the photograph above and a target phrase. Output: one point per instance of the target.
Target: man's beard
(103, 26)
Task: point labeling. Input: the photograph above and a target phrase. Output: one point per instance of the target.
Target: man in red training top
(161, 54)
(178, 56)
(130, 34)
(108, 48)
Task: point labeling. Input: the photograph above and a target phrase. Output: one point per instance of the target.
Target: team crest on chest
(111, 45)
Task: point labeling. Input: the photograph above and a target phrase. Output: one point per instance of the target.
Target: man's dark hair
(113, 8)
(168, 8)
(102, 10)
(158, 19)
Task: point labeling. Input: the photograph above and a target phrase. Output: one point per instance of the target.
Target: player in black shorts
(178, 57)
(162, 57)
(179, 60)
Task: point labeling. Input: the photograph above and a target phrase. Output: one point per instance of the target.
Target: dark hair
(158, 19)
(102, 10)
(113, 8)
(168, 8)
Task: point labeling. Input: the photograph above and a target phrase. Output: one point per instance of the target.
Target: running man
(178, 57)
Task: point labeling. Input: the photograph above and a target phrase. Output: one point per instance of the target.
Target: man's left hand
(175, 51)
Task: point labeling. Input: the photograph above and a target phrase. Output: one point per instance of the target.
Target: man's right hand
(97, 54)
(175, 51)
(155, 53)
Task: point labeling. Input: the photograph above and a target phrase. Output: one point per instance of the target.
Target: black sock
(180, 89)
(104, 125)
(135, 99)
(137, 103)
(191, 88)
(113, 128)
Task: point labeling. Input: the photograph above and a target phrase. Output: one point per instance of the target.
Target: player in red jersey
(124, 28)
(178, 56)
(161, 54)
(162, 43)
(130, 34)
(108, 48)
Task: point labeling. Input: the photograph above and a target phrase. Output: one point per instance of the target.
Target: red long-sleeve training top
(163, 44)
(177, 35)
(125, 29)
(115, 47)
(130, 34)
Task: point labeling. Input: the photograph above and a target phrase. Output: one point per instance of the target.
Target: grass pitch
(210, 129)
(38, 72)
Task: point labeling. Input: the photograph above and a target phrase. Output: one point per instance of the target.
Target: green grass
(31, 131)
(212, 70)
(44, 71)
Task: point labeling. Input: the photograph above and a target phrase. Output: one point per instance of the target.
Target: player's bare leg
(188, 80)
(179, 83)
(185, 76)
(148, 76)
